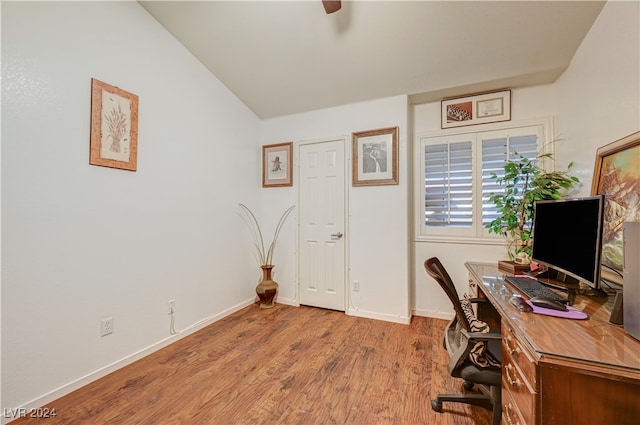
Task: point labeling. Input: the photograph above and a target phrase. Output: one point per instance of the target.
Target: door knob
(336, 235)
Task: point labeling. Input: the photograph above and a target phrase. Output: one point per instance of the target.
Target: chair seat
(489, 376)
(485, 376)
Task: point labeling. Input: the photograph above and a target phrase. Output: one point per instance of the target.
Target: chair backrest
(459, 347)
(436, 270)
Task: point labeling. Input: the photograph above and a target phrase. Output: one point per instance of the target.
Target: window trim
(481, 235)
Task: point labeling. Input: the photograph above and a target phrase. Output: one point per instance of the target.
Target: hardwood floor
(285, 365)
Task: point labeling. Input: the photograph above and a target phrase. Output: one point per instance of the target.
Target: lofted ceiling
(286, 57)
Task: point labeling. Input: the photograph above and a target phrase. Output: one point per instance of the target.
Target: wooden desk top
(593, 342)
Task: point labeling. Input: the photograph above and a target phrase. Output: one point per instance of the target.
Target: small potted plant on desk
(525, 182)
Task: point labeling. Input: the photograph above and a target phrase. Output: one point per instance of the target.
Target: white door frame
(347, 181)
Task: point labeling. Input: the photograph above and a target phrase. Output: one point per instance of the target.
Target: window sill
(462, 240)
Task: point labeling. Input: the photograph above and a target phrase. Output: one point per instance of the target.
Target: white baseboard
(358, 313)
(93, 376)
(379, 316)
(288, 301)
(435, 314)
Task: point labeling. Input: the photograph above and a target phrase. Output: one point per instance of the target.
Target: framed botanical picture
(476, 109)
(375, 157)
(617, 176)
(114, 127)
(277, 165)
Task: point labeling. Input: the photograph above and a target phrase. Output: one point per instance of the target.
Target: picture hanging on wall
(375, 157)
(277, 165)
(476, 109)
(114, 127)
(617, 176)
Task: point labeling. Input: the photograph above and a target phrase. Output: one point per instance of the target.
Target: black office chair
(474, 350)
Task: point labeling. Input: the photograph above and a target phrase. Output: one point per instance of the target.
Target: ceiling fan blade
(331, 6)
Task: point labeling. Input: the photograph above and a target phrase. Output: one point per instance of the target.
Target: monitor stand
(569, 283)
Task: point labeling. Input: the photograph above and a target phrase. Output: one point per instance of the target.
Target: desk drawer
(510, 413)
(513, 350)
(516, 387)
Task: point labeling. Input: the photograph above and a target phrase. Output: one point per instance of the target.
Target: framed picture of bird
(277, 165)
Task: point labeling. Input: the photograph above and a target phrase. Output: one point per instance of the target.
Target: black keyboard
(533, 288)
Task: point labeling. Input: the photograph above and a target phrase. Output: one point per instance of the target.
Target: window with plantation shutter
(448, 182)
(455, 173)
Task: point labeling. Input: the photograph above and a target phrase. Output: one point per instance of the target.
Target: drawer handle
(510, 350)
(508, 369)
(508, 410)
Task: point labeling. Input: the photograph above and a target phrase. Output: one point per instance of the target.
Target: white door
(321, 218)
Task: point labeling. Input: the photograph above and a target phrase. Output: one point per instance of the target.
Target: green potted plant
(267, 288)
(525, 182)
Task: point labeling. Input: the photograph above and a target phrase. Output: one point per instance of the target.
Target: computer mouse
(519, 303)
(547, 303)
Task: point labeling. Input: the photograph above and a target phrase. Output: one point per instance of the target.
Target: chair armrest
(478, 300)
(480, 336)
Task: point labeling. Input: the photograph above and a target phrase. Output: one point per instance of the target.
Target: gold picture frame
(277, 165)
(375, 157)
(114, 127)
(617, 176)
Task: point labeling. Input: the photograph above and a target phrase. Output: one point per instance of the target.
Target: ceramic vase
(267, 288)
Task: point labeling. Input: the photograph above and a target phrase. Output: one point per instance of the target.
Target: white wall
(594, 102)
(81, 242)
(598, 97)
(380, 259)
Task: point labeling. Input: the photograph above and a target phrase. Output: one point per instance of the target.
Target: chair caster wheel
(467, 385)
(436, 405)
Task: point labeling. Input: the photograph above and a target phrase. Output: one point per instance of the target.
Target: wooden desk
(562, 371)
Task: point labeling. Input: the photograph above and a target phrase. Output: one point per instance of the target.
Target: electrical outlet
(356, 286)
(171, 306)
(106, 326)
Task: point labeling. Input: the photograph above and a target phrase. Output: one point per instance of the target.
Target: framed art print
(375, 157)
(476, 109)
(277, 165)
(617, 176)
(114, 127)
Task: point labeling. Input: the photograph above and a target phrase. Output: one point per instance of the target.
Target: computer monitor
(567, 237)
